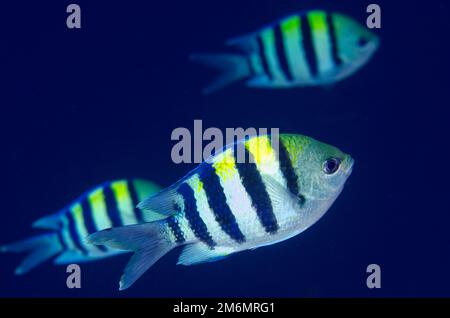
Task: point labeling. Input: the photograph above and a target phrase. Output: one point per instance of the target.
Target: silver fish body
(226, 206)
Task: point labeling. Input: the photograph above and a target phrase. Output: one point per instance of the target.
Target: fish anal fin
(260, 81)
(197, 253)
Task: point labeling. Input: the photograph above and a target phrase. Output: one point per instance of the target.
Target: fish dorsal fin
(246, 43)
(50, 222)
(164, 203)
(282, 199)
(197, 253)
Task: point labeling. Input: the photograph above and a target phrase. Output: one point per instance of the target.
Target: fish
(110, 204)
(228, 205)
(309, 48)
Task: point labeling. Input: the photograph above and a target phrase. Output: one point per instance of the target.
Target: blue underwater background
(79, 107)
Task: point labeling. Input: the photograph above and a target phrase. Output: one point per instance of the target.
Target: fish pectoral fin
(161, 205)
(282, 199)
(197, 253)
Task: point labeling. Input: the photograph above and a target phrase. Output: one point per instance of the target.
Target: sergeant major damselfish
(310, 48)
(227, 205)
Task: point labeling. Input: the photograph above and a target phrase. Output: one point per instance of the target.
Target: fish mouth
(370, 50)
(347, 165)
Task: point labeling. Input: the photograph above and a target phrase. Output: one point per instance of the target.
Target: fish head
(322, 170)
(355, 43)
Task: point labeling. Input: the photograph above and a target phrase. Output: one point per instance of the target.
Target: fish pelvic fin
(40, 249)
(148, 242)
(232, 68)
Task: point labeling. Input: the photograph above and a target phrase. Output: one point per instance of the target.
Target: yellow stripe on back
(236, 195)
(144, 188)
(292, 38)
(291, 24)
(263, 154)
(318, 21)
(294, 144)
(224, 165)
(125, 205)
(321, 40)
(99, 212)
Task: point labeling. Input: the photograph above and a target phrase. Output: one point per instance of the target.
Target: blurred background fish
(310, 48)
(83, 106)
(107, 205)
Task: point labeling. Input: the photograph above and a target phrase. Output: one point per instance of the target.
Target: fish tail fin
(233, 67)
(40, 248)
(147, 240)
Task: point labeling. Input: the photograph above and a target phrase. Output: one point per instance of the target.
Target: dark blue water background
(79, 107)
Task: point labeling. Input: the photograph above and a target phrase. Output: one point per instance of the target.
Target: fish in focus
(227, 205)
(107, 205)
(311, 48)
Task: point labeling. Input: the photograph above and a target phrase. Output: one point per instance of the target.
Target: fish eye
(331, 165)
(362, 41)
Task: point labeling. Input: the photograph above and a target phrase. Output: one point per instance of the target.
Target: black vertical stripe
(308, 45)
(287, 168)
(263, 57)
(74, 234)
(174, 227)
(87, 217)
(334, 48)
(250, 66)
(281, 53)
(254, 185)
(61, 240)
(60, 230)
(218, 202)
(89, 221)
(135, 200)
(112, 206)
(191, 213)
